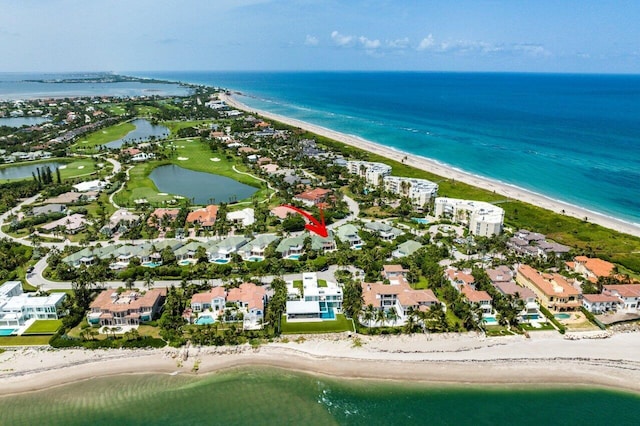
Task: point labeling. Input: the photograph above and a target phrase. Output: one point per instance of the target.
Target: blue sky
(471, 35)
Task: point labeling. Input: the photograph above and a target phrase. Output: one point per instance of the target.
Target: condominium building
(481, 218)
(420, 191)
(371, 172)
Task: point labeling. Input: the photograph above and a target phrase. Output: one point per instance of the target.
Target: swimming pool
(532, 316)
(562, 316)
(328, 315)
(420, 220)
(184, 263)
(294, 256)
(7, 331)
(357, 246)
(152, 264)
(221, 261)
(490, 320)
(205, 319)
(255, 259)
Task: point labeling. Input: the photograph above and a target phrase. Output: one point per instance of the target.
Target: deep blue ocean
(570, 137)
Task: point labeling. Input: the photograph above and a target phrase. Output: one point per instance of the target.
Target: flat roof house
(17, 307)
(316, 302)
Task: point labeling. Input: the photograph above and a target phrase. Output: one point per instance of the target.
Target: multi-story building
(420, 191)
(553, 290)
(371, 172)
(127, 308)
(481, 218)
(314, 301)
(17, 307)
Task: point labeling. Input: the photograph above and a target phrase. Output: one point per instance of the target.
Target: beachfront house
(553, 290)
(214, 300)
(313, 299)
(19, 309)
(111, 308)
(249, 299)
(601, 303)
(629, 295)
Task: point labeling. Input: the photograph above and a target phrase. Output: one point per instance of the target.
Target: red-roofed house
(313, 196)
(399, 296)
(482, 298)
(127, 308)
(281, 212)
(553, 290)
(250, 299)
(163, 217)
(629, 294)
(459, 278)
(205, 217)
(213, 300)
(592, 268)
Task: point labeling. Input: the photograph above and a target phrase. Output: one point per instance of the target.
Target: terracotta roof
(126, 301)
(600, 298)
(460, 276)
(475, 296)
(403, 292)
(248, 293)
(205, 216)
(281, 212)
(513, 288)
(393, 268)
(624, 290)
(208, 296)
(314, 194)
(550, 284)
(599, 267)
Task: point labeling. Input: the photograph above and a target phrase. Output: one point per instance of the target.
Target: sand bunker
(183, 158)
(216, 159)
(62, 167)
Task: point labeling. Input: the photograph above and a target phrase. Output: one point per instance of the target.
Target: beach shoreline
(444, 171)
(543, 360)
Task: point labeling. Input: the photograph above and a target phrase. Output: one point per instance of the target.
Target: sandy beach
(545, 358)
(439, 169)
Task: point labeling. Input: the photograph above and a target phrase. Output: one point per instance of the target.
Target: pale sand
(215, 159)
(546, 358)
(183, 158)
(442, 170)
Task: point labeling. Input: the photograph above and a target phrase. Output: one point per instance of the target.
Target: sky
(590, 36)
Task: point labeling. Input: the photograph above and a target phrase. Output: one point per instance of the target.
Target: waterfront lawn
(79, 167)
(103, 136)
(44, 327)
(543, 326)
(174, 126)
(24, 340)
(339, 325)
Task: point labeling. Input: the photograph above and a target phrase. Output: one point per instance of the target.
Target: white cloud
(311, 40)
(531, 49)
(369, 44)
(341, 39)
(401, 43)
(427, 43)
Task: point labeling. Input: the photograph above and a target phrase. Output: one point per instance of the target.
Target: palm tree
(410, 323)
(369, 314)
(392, 315)
(381, 316)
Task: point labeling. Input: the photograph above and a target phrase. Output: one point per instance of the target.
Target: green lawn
(543, 326)
(103, 136)
(146, 110)
(44, 327)
(114, 109)
(24, 340)
(194, 155)
(340, 324)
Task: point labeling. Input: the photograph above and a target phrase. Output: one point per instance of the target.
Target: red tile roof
(205, 216)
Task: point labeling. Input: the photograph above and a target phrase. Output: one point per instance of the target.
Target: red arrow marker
(316, 226)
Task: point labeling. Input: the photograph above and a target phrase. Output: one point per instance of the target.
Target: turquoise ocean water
(570, 137)
(253, 396)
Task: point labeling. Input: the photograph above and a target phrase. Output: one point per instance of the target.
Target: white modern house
(17, 307)
(481, 218)
(244, 217)
(315, 302)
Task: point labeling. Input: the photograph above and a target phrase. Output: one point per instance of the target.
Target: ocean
(265, 396)
(574, 138)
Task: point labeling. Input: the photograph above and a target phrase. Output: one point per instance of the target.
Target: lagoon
(22, 121)
(25, 171)
(143, 132)
(199, 186)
